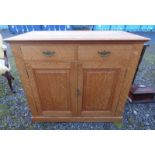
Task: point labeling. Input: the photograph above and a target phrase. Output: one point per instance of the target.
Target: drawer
(48, 52)
(105, 52)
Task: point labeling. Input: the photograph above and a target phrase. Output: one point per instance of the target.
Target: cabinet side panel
(24, 77)
(131, 69)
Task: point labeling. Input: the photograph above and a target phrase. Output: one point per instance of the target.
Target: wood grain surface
(77, 35)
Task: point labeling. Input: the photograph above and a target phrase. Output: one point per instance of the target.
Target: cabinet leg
(9, 78)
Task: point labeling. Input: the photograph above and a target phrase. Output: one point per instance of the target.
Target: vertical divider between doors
(80, 87)
(79, 84)
(74, 78)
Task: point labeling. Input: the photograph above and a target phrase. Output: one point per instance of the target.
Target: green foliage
(119, 125)
(140, 126)
(130, 120)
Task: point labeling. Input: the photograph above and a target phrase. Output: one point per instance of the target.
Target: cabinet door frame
(73, 84)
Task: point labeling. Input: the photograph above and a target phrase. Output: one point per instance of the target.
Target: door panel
(53, 88)
(100, 88)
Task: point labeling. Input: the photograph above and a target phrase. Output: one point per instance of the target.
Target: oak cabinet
(77, 76)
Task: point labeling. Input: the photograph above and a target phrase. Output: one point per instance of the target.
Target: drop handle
(104, 53)
(48, 53)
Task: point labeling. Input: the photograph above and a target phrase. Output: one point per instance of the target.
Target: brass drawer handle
(104, 53)
(48, 53)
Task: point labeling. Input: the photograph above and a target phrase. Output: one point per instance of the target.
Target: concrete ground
(15, 114)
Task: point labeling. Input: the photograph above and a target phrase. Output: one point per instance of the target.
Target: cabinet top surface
(77, 36)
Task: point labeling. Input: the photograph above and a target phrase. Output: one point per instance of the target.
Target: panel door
(54, 88)
(99, 88)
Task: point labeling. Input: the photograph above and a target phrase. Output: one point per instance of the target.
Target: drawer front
(48, 52)
(107, 53)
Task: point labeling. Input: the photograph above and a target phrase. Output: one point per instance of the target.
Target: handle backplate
(104, 53)
(48, 53)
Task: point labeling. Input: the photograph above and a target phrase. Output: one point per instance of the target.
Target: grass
(119, 125)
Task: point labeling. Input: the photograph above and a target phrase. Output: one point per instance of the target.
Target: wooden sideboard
(77, 75)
